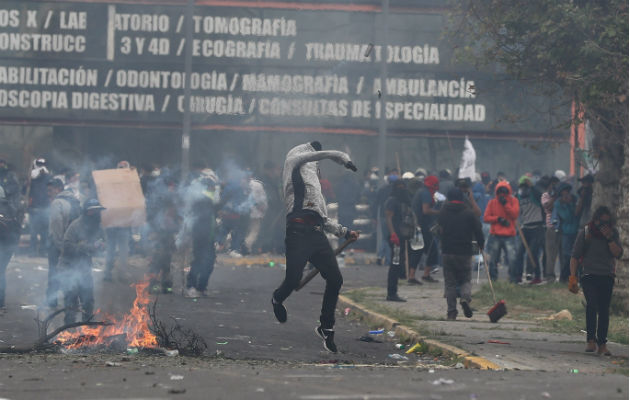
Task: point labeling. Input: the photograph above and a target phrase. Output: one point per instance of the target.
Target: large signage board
(102, 63)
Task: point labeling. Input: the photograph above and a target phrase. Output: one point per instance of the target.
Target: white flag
(467, 164)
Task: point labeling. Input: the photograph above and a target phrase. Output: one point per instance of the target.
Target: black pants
(598, 292)
(309, 243)
(53, 280)
(204, 256)
(160, 264)
(396, 271)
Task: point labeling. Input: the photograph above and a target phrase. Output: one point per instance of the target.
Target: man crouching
(305, 238)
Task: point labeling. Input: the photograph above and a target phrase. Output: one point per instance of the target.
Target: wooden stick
(485, 264)
(57, 331)
(313, 273)
(529, 252)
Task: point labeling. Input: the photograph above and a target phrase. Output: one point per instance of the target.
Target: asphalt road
(262, 359)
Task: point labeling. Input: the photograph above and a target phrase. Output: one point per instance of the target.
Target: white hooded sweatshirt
(301, 187)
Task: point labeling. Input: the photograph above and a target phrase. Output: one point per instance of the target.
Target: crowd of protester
(528, 226)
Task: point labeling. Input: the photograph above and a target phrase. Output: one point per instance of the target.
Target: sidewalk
(529, 347)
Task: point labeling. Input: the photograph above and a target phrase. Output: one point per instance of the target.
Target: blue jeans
(494, 246)
(38, 221)
(567, 247)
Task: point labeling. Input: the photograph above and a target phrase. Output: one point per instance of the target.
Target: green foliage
(578, 46)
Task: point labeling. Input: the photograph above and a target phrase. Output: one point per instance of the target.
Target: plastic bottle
(396, 256)
(417, 242)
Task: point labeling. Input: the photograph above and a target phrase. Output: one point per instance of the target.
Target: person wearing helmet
(82, 240)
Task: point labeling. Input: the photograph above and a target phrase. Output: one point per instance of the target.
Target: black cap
(92, 204)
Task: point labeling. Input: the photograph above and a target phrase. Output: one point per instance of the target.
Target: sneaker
(467, 310)
(414, 281)
(451, 316)
(429, 279)
(191, 293)
(435, 269)
(529, 277)
(396, 298)
(279, 310)
(328, 336)
(536, 281)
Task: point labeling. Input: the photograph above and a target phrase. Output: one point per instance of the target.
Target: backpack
(407, 222)
(75, 208)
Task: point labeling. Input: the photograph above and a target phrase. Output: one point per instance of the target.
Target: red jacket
(509, 211)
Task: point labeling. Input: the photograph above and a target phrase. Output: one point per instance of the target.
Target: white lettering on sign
(9, 18)
(170, 79)
(280, 107)
(432, 111)
(306, 84)
(73, 20)
(48, 76)
(36, 99)
(53, 43)
(427, 87)
(244, 26)
(113, 101)
(142, 22)
(235, 49)
(220, 105)
(316, 51)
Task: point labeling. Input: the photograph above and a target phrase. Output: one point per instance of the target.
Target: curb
(405, 332)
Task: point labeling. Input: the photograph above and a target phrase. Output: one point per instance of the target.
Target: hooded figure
(81, 241)
(501, 213)
(459, 226)
(307, 220)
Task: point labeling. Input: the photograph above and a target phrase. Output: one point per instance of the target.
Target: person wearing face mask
(597, 246)
(531, 220)
(501, 213)
(82, 240)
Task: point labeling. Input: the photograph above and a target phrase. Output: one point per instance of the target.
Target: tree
(578, 47)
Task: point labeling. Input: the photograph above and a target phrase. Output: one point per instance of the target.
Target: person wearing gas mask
(307, 221)
(501, 213)
(598, 246)
(10, 220)
(82, 240)
(531, 220)
(204, 196)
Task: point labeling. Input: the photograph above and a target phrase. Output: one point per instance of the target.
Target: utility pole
(188, 21)
(382, 126)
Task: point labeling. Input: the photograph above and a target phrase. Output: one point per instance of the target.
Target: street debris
(222, 343)
(498, 342)
(399, 357)
(442, 381)
(391, 334)
(346, 311)
(369, 339)
(177, 391)
(177, 377)
(546, 395)
(29, 307)
(377, 332)
(459, 366)
(561, 315)
(181, 340)
(400, 346)
(112, 364)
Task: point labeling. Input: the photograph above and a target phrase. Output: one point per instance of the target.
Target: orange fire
(134, 325)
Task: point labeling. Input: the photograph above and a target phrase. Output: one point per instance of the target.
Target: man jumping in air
(307, 222)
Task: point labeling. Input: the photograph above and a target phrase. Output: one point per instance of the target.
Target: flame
(134, 325)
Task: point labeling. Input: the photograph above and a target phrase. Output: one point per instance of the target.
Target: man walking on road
(307, 219)
(459, 226)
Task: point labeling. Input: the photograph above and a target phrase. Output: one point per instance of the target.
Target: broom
(499, 309)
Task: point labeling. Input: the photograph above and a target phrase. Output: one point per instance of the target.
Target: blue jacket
(568, 222)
